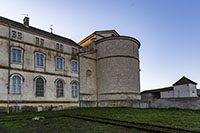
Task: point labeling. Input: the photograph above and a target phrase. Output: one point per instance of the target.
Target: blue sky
(169, 30)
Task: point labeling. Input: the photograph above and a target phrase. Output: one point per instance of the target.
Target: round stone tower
(118, 78)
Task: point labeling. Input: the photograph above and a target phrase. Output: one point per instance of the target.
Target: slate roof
(158, 90)
(183, 81)
(36, 30)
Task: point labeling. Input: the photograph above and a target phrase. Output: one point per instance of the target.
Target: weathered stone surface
(28, 70)
(115, 73)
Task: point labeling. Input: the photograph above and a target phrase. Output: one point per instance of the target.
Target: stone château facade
(41, 69)
(109, 66)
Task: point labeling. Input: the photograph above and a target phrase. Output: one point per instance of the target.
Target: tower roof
(184, 80)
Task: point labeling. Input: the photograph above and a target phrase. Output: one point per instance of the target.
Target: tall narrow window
(59, 63)
(57, 46)
(39, 59)
(74, 89)
(39, 87)
(59, 88)
(16, 55)
(16, 85)
(74, 66)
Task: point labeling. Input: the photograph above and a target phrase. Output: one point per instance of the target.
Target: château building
(41, 69)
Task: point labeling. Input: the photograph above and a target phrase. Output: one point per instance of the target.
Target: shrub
(3, 109)
(29, 109)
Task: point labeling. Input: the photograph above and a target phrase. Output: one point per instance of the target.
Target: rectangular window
(40, 59)
(74, 50)
(41, 42)
(61, 47)
(59, 63)
(74, 66)
(14, 34)
(19, 36)
(16, 55)
(36, 40)
(57, 46)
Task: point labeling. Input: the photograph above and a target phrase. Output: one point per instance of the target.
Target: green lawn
(21, 122)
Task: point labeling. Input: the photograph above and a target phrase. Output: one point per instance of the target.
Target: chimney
(26, 21)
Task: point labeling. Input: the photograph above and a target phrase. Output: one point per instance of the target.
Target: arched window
(16, 84)
(39, 87)
(59, 88)
(74, 89)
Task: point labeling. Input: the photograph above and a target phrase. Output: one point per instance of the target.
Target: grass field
(55, 122)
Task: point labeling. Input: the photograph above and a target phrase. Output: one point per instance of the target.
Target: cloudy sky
(169, 30)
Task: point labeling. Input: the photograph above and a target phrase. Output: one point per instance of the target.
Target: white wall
(193, 90)
(186, 90)
(167, 94)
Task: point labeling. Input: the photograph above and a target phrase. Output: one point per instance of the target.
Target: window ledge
(61, 70)
(16, 63)
(41, 67)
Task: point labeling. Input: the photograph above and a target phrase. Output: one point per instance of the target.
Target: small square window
(88, 48)
(61, 47)
(19, 36)
(41, 42)
(36, 40)
(14, 34)
(74, 50)
(57, 46)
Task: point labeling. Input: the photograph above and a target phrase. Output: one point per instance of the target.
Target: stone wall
(29, 71)
(88, 91)
(167, 94)
(181, 103)
(117, 70)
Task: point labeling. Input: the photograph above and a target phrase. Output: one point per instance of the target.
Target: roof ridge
(37, 30)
